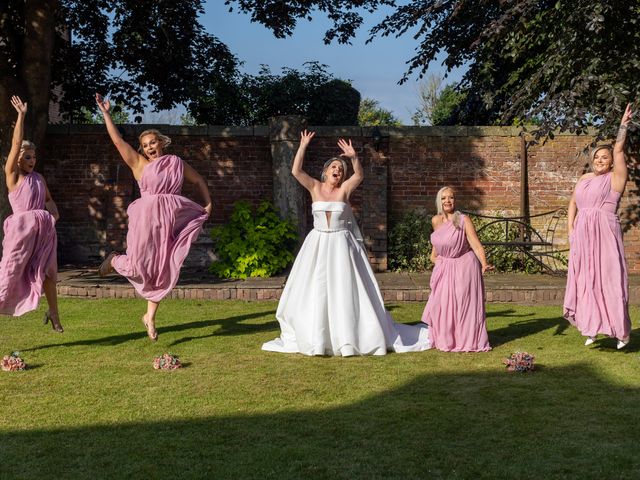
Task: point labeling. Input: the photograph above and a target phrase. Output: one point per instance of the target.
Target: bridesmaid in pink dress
(162, 223)
(596, 297)
(29, 264)
(455, 311)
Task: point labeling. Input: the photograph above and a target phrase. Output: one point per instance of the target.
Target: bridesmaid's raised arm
(620, 170)
(130, 156)
(11, 167)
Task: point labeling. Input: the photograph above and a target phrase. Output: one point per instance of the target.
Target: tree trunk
(288, 194)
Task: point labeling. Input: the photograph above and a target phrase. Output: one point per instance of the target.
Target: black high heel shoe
(56, 328)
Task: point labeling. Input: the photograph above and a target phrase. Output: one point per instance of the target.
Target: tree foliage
(139, 53)
(312, 92)
(438, 105)
(371, 114)
(567, 64)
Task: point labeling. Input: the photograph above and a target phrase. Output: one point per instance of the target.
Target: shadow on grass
(229, 326)
(606, 343)
(525, 328)
(511, 313)
(487, 425)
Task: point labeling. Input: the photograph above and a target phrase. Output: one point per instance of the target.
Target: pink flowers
(520, 362)
(13, 362)
(166, 361)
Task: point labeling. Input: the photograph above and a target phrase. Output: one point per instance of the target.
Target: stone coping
(404, 287)
(321, 131)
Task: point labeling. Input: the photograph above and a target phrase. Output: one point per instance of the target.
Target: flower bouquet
(520, 362)
(13, 362)
(166, 361)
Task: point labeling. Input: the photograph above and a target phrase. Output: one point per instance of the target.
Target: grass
(91, 406)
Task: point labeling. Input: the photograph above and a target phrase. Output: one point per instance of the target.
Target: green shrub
(409, 243)
(253, 244)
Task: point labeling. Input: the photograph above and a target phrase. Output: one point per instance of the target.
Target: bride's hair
(323, 177)
(456, 215)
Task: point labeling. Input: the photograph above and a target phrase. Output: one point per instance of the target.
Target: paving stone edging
(395, 287)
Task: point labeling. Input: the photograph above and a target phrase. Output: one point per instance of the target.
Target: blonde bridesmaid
(597, 294)
(455, 311)
(29, 265)
(162, 223)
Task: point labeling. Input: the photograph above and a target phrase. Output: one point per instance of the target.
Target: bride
(331, 304)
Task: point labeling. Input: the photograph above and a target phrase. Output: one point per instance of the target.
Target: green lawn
(91, 406)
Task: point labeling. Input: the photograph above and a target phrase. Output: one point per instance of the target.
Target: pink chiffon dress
(162, 226)
(28, 249)
(596, 297)
(455, 311)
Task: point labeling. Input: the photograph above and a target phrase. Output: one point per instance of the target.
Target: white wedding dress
(331, 304)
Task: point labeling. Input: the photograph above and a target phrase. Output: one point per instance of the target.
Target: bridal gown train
(331, 304)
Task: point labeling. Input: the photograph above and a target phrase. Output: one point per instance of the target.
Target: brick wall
(93, 187)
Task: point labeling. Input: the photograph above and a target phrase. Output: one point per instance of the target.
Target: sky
(374, 69)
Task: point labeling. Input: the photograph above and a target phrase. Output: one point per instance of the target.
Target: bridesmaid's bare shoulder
(436, 221)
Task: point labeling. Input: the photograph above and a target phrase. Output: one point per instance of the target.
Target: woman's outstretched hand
(305, 138)
(347, 148)
(18, 105)
(103, 104)
(626, 118)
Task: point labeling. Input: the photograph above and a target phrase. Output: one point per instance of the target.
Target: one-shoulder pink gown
(28, 249)
(455, 311)
(596, 297)
(162, 226)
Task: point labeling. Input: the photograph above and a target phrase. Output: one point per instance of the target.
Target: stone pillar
(374, 208)
(288, 194)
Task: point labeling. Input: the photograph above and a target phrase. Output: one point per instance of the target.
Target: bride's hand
(103, 104)
(347, 148)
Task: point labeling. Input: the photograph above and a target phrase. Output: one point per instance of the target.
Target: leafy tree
(371, 113)
(312, 92)
(118, 114)
(335, 103)
(447, 105)
(438, 105)
(137, 52)
(569, 64)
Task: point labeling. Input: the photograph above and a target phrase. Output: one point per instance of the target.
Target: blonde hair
(326, 165)
(597, 148)
(456, 214)
(27, 145)
(164, 140)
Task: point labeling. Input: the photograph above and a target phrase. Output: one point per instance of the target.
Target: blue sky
(373, 68)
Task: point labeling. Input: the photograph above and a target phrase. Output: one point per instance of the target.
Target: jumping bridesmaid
(29, 265)
(162, 223)
(597, 294)
(455, 311)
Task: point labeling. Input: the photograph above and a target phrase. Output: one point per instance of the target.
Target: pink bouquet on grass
(166, 361)
(520, 362)
(13, 362)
